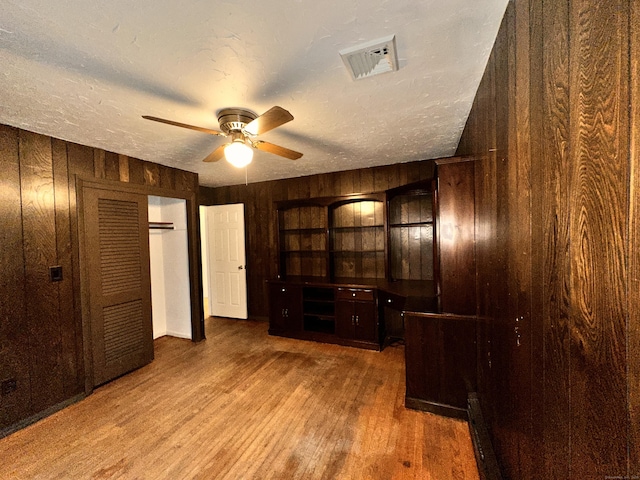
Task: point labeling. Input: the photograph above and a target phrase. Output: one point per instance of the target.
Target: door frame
(211, 282)
(193, 247)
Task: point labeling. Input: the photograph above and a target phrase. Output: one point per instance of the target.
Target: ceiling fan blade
(272, 118)
(184, 125)
(277, 150)
(217, 154)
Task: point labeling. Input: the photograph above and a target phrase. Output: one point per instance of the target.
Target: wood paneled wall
(555, 126)
(261, 217)
(41, 342)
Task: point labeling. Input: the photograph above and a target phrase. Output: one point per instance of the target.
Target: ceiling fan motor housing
(242, 126)
(235, 119)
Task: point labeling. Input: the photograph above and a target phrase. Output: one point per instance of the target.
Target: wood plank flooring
(244, 405)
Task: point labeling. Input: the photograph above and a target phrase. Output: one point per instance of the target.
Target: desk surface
(418, 295)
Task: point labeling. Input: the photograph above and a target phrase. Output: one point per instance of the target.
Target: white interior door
(227, 268)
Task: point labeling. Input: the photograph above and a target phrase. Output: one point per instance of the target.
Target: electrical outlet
(9, 386)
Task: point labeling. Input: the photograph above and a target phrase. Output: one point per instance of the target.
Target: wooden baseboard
(437, 408)
(488, 467)
(40, 415)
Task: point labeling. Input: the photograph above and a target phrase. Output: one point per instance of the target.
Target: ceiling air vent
(371, 58)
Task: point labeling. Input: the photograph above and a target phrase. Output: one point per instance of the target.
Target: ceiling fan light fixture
(241, 126)
(238, 153)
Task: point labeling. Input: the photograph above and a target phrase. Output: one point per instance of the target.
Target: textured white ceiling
(86, 72)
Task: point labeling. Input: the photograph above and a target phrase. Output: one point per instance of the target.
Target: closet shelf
(161, 226)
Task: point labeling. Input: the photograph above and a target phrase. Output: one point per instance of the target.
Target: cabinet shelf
(318, 294)
(412, 224)
(333, 236)
(309, 301)
(304, 252)
(320, 309)
(324, 317)
(319, 324)
(303, 239)
(356, 228)
(302, 230)
(411, 232)
(356, 252)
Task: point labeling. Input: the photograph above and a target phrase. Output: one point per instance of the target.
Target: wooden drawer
(355, 294)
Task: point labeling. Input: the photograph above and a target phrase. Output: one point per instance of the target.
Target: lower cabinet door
(285, 308)
(345, 320)
(366, 321)
(357, 321)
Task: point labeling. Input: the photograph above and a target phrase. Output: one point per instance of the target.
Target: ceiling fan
(242, 126)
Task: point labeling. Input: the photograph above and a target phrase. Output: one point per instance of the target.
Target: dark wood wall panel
(41, 330)
(111, 166)
(556, 233)
(39, 229)
(79, 164)
(98, 163)
(151, 174)
(123, 169)
(70, 323)
(518, 321)
(167, 177)
(14, 336)
(550, 183)
(503, 261)
(598, 229)
(456, 238)
(136, 171)
(259, 198)
(485, 148)
(633, 325)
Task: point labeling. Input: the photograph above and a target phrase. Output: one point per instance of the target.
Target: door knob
(240, 267)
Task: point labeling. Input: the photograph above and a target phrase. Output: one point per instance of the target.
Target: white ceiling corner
(87, 71)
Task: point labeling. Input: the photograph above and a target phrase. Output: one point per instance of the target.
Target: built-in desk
(348, 311)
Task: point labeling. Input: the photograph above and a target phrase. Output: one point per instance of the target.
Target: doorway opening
(224, 269)
(169, 262)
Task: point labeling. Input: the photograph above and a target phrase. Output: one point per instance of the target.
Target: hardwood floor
(243, 405)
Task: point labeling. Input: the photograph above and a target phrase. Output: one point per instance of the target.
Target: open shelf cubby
(318, 308)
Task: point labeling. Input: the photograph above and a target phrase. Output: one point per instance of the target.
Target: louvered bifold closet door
(117, 256)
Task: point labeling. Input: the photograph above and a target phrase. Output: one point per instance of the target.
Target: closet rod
(161, 226)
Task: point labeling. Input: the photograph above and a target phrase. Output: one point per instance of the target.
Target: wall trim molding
(436, 408)
(40, 415)
(488, 467)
